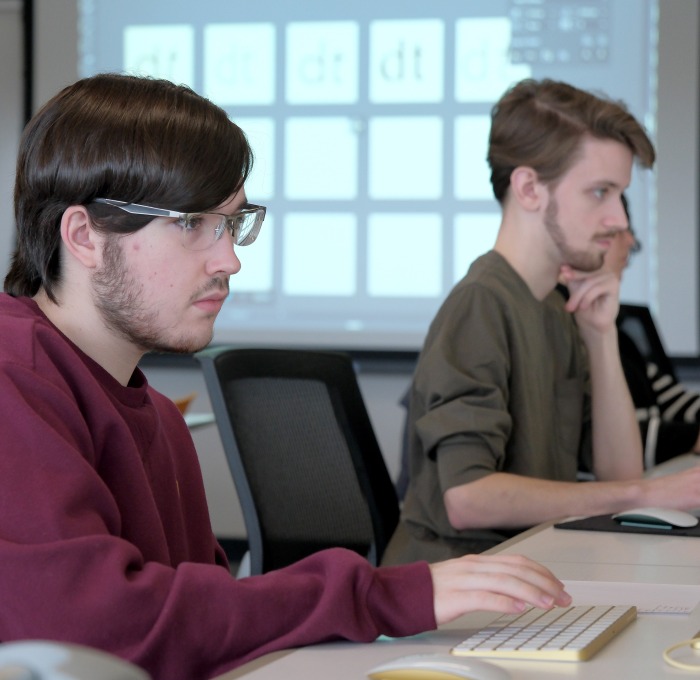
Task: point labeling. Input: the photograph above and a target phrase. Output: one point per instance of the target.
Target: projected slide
(369, 124)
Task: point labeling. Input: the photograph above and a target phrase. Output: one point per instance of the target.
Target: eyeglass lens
(203, 230)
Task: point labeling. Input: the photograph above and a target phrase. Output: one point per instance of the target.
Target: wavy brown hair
(541, 124)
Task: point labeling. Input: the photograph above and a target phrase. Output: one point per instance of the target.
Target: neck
(83, 325)
(530, 256)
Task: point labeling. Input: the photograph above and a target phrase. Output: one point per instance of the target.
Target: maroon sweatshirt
(105, 537)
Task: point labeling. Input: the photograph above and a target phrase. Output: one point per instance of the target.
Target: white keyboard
(560, 634)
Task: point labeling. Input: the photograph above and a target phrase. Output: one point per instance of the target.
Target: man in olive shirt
(516, 390)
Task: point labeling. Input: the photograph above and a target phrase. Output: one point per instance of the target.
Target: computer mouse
(45, 660)
(656, 517)
(437, 667)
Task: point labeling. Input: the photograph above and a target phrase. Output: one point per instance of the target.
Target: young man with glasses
(129, 200)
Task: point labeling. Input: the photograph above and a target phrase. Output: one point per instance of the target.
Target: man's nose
(223, 258)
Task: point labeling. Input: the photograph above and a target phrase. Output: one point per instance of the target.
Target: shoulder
(491, 298)
(490, 279)
(18, 313)
(22, 329)
(34, 352)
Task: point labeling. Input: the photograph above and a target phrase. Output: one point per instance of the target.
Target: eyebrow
(606, 184)
(241, 206)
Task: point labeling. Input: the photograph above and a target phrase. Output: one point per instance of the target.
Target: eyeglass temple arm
(138, 209)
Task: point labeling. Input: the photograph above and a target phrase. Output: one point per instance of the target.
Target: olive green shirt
(502, 384)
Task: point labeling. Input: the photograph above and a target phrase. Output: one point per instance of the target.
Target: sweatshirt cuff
(402, 599)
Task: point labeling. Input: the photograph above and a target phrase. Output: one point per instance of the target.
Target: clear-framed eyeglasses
(202, 230)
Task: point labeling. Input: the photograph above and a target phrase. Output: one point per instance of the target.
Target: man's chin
(183, 345)
(590, 263)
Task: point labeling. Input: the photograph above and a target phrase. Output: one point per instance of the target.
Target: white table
(597, 558)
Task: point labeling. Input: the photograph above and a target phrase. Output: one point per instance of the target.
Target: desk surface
(590, 556)
(609, 556)
(635, 653)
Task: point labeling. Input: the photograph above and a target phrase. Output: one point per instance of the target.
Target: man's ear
(79, 237)
(526, 188)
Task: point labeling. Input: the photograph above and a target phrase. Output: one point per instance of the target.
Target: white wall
(11, 103)
(677, 172)
(55, 47)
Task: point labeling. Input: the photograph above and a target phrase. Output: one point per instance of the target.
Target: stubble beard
(581, 260)
(119, 299)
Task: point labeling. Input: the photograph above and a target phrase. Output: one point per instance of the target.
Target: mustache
(612, 233)
(218, 283)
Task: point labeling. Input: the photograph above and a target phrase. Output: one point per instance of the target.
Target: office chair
(304, 457)
(637, 322)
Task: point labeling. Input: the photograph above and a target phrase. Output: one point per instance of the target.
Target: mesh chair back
(303, 454)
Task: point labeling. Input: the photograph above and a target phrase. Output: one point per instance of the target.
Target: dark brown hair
(540, 124)
(133, 139)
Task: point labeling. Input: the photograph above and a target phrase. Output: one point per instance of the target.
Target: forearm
(503, 500)
(617, 446)
(617, 442)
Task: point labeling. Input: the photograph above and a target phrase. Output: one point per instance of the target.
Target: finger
(519, 566)
(512, 564)
(533, 581)
(514, 576)
(588, 294)
(523, 588)
(584, 279)
(573, 275)
(492, 591)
